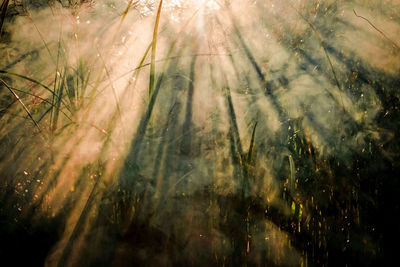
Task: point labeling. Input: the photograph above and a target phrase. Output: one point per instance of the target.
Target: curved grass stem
(22, 104)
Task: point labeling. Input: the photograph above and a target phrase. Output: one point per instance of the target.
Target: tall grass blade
(41, 36)
(322, 43)
(112, 88)
(34, 81)
(22, 104)
(58, 104)
(99, 76)
(153, 51)
(56, 74)
(142, 64)
(130, 4)
(4, 6)
(43, 100)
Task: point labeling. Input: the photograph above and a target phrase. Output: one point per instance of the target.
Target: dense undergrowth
(226, 133)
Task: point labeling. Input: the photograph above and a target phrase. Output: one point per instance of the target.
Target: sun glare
(199, 132)
(207, 4)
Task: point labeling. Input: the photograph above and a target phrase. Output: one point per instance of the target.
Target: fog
(230, 133)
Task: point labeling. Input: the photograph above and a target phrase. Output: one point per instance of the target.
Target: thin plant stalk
(99, 77)
(58, 103)
(4, 6)
(36, 82)
(153, 51)
(22, 104)
(381, 32)
(56, 74)
(44, 100)
(319, 38)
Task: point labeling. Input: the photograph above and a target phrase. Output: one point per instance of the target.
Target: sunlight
(198, 132)
(207, 4)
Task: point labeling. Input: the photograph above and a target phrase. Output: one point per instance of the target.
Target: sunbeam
(184, 132)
